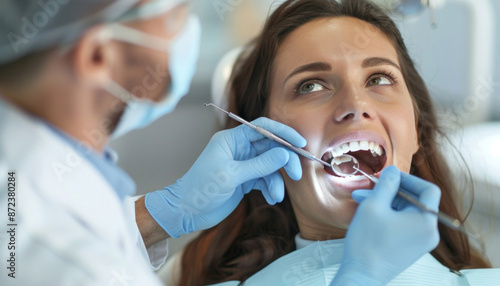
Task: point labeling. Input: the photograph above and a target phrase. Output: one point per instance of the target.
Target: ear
(94, 56)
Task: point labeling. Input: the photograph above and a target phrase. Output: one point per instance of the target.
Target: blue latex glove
(382, 241)
(234, 162)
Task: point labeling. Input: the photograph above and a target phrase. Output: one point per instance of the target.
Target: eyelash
(303, 81)
(386, 73)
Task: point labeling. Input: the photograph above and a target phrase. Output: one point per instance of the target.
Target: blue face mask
(183, 53)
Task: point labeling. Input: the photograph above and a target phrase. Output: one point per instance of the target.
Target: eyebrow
(375, 61)
(317, 66)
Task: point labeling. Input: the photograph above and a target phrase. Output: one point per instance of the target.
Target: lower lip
(349, 185)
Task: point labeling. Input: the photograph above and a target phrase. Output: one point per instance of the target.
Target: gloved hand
(381, 241)
(234, 162)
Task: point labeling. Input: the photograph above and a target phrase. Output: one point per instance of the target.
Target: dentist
(74, 75)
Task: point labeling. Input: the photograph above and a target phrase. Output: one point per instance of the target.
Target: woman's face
(338, 82)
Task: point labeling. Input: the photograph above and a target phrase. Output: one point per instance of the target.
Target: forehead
(340, 41)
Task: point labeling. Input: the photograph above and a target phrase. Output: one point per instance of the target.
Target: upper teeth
(354, 146)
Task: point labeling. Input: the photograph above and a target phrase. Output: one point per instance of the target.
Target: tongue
(345, 168)
(367, 162)
(365, 168)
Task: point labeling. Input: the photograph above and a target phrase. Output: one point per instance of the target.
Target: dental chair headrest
(220, 80)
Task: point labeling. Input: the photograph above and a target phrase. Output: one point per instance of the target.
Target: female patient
(341, 76)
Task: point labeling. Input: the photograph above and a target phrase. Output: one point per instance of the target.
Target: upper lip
(370, 136)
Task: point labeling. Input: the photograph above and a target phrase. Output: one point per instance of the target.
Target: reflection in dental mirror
(344, 165)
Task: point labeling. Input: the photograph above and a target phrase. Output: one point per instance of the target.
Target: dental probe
(442, 217)
(272, 136)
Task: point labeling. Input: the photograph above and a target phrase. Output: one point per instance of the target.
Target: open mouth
(370, 155)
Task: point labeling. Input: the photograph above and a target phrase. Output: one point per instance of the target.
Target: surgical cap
(28, 26)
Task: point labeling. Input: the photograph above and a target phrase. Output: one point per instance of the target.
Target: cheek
(305, 122)
(404, 136)
(314, 203)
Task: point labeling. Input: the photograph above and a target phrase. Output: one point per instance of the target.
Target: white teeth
(355, 178)
(374, 148)
(354, 146)
(341, 159)
(337, 161)
(364, 145)
(345, 148)
(337, 152)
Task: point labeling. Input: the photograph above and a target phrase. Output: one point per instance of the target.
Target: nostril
(348, 116)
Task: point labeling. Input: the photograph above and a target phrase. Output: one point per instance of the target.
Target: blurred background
(457, 57)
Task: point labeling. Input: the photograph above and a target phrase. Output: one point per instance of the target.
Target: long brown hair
(256, 234)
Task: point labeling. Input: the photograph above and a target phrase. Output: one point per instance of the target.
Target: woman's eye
(311, 87)
(379, 80)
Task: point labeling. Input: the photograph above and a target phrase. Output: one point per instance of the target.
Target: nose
(353, 106)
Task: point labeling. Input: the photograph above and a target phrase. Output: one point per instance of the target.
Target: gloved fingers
(279, 129)
(388, 185)
(265, 144)
(427, 193)
(219, 214)
(275, 186)
(261, 185)
(293, 167)
(264, 164)
(399, 203)
(360, 195)
(248, 186)
(410, 208)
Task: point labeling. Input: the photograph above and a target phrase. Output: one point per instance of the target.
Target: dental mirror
(344, 165)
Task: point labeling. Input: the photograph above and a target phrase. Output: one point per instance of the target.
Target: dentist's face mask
(183, 50)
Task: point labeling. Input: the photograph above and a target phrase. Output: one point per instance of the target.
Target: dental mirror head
(344, 165)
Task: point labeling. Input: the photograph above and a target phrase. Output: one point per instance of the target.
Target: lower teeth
(355, 177)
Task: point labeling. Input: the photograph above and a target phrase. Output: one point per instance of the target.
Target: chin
(338, 213)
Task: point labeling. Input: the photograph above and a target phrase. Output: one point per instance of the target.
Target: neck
(316, 229)
(317, 232)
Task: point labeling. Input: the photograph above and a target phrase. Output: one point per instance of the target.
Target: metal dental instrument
(442, 217)
(336, 161)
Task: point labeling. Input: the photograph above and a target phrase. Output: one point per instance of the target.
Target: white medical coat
(71, 227)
